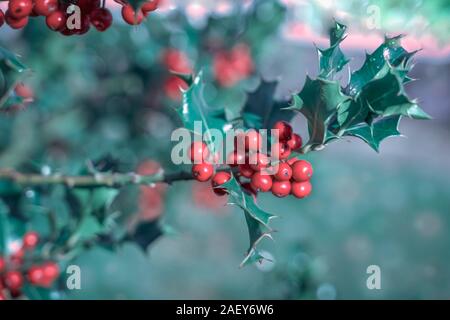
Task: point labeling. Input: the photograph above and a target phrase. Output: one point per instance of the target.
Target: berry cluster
(254, 170)
(14, 270)
(233, 66)
(56, 16)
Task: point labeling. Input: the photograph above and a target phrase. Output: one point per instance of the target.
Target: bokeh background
(111, 93)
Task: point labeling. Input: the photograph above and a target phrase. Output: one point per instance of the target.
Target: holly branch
(97, 179)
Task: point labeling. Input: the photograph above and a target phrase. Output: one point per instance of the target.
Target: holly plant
(47, 219)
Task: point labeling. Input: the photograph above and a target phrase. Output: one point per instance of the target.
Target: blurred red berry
(51, 272)
(130, 16)
(173, 86)
(13, 280)
(149, 6)
(101, 19)
(30, 240)
(15, 23)
(36, 275)
(2, 265)
(176, 60)
(2, 18)
(295, 142)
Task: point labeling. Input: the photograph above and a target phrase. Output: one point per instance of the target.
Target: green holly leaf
(145, 233)
(376, 132)
(390, 51)
(256, 218)
(195, 109)
(385, 95)
(319, 101)
(332, 59)
(11, 72)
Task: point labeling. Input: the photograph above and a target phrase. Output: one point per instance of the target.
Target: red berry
(172, 86)
(281, 188)
(219, 179)
(2, 265)
(2, 17)
(176, 60)
(15, 23)
(149, 6)
(301, 189)
(253, 141)
(45, 7)
(130, 16)
(235, 158)
(30, 240)
(295, 142)
(261, 182)
(280, 150)
(101, 18)
(203, 171)
(284, 172)
(36, 275)
(17, 257)
(13, 280)
(24, 91)
(285, 130)
(258, 161)
(198, 152)
(57, 21)
(20, 8)
(51, 272)
(302, 170)
(245, 170)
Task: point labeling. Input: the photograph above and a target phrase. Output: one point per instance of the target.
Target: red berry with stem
(149, 6)
(101, 19)
(295, 142)
(258, 161)
(280, 150)
(30, 240)
(284, 130)
(246, 171)
(13, 280)
(219, 179)
(130, 16)
(15, 23)
(198, 151)
(261, 182)
(203, 171)
(56, 20)
(20, 8)
(301, 189)
(281, 188)
(36, 275)
(284, 172)
(253, 141)
(45, 7)
(302, 170)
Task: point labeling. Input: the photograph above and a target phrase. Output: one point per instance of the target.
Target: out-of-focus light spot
(14, 245)
(326, 4)
(266, 264)
(197, 14)
(223, 7)
(30, 193)
(326, 291)
(428, 224)
(46, 170)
